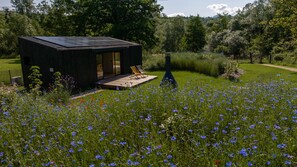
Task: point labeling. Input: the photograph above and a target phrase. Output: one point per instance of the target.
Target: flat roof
(75, 42)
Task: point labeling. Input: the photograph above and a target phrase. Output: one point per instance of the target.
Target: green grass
(260, 73)
(9, 67)
(10, 64)
(206, 121)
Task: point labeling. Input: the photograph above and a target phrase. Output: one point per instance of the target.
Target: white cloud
(176, 14)
(223, 8)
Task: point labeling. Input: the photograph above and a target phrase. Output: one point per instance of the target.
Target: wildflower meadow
(198, 124)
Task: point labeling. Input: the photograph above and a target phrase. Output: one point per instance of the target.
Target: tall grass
(198, 125)
(205, 63)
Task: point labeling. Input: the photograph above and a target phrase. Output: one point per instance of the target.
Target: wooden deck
(124, 81)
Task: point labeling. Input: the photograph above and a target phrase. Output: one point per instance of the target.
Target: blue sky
(189, 7)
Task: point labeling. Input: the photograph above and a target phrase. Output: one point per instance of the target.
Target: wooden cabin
(86, 59)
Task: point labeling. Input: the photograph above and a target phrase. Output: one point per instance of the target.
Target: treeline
(128, 20)
(265, 29)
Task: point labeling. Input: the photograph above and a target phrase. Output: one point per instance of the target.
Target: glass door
(117, 63)
(99, 64)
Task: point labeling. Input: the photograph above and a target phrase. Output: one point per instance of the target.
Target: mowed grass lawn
(205, 122)
(252, 73)
(9, 65)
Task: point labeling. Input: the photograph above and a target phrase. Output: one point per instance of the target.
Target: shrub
(35, 81)
(278, 58)
(60, 90)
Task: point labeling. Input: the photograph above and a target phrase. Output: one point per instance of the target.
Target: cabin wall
(132, 56)
(34, 54)
(81, 65)
(78, 64)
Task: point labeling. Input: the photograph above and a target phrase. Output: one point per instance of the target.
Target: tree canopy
(262, 29)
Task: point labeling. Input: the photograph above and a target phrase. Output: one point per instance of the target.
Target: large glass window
(117, 63)
(108, 64)
(99, 64)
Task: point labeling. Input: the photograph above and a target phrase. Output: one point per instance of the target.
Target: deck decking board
(124, 81)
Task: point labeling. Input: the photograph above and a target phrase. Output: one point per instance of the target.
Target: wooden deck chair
(135, 72)
(140, 69)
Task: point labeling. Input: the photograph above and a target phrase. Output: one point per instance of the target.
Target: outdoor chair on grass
(136, 72)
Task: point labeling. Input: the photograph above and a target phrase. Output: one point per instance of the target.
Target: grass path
(281, 67)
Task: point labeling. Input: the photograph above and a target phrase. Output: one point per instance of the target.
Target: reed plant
(205, 63)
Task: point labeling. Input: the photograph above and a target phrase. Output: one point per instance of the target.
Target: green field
(9, 67)
(10, 64)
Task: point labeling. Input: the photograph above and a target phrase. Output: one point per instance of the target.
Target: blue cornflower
(252, 126)
(228, 164)
(71, 150)
(174, 110)
(243, 152)
(123, 143)
(288, 162)
(136, 163)
(112, 164)
(1, 154)
(173, 138)
(99, 157)
(268, 163)
(273, 136)
(233, 140)
(169, 156)
(203, 137)
(92, 165)
(73, 143)
(90, 127)
(250, 164)
(172, 165)
(129, 162)
(195, 121)
(281, 146)
(224, 131)
(276, 126)
(73, 133)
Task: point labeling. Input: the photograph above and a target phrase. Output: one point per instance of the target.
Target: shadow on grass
(15, 61)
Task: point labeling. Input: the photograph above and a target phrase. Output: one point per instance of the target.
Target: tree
(174, 34)
(23, 6)
(127, 20)
(195, 35)
(59, 19)
(15, 25)
(218, 23)
(235, 43)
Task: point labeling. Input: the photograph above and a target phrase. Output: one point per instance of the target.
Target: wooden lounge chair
(140, 69)
(135, 72)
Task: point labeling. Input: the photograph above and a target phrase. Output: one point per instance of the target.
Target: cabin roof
(75, 43)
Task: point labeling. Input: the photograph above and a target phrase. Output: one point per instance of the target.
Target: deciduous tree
(195, 35)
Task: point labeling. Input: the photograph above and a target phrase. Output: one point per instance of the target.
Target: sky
(203, 8)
